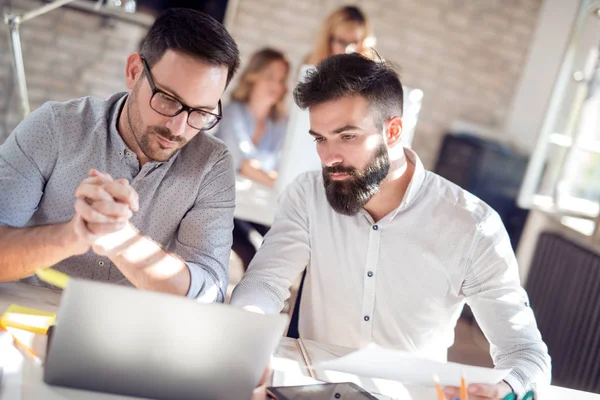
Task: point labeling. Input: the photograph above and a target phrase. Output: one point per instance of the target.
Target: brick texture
(67, 53)
(466, 55)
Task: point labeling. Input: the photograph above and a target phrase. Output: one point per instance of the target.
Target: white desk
(254, 202)
(23, 378)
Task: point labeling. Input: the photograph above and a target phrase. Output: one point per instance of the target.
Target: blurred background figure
(346, 30)
(254, 130)
(255, 123)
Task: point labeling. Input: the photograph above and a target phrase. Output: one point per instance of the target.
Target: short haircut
(353, 75)
(194, 33)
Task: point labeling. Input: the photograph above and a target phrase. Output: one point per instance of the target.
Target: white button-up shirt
(402, 281)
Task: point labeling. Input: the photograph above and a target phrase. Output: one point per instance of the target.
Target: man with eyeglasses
(130, 189)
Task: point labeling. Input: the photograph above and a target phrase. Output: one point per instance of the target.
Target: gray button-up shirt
(186, 203)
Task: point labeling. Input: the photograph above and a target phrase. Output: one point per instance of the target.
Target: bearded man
(391, 251)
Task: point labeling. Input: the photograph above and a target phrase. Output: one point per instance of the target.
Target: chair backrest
(564, 287)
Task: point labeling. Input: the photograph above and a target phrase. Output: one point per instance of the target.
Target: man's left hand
(480, 391)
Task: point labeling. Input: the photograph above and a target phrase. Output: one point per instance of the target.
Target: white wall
(467, 56)
(531, 101)
(541, 71)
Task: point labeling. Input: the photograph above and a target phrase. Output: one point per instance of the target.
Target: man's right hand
(102, 206)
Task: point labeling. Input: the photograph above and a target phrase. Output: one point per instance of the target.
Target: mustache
(340, 169)
(166, 134)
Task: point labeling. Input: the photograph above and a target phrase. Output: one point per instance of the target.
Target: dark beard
(349, 196)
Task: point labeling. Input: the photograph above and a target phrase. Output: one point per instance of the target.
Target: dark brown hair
(194, 33)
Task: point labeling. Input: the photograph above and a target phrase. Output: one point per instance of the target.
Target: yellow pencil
(24, 349)
(438, 388)
(53, 277)
(463, 389)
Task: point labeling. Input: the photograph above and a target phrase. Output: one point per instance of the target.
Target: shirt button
(101, 263)
(120, 154)
(375, 227)
(370, 274)
(367, 318)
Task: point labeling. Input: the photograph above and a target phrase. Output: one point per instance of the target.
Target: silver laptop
(116, 339)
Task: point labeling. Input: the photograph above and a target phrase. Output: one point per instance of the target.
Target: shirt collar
(120, 145)
(113, 122)
(417, 179)
(416, 182)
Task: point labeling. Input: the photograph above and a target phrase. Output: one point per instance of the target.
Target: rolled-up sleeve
(501, 307)
(27, 158)
(205, 234)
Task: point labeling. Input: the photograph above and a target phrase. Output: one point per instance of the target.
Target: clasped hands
(103, 208)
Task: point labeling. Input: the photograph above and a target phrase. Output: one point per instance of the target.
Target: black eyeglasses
(167, 105)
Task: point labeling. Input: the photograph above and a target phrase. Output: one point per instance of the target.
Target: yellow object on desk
(438, 388)
(27, 319)
(463, 389)
(53, 277)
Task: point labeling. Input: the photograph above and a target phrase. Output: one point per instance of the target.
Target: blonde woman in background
(253, 128)
(254, 123)
(346, 30)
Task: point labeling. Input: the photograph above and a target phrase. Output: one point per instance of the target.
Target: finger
(98, 178)
(106, 229)
(93, 192)
(265, 377)
(113, 209)
(95, 173)
(452, 392)
(94, 180)
(123, 193)
(90, 215)
(488, 391)
(82, 230)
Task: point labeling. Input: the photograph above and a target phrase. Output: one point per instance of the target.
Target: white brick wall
(67, 54)
(466, 55)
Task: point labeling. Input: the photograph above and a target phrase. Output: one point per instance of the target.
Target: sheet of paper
(376, 362)
(10, 363)
(283, 378)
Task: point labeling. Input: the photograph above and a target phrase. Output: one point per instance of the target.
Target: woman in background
(254, 123)
(253, 128)
(346, 30)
